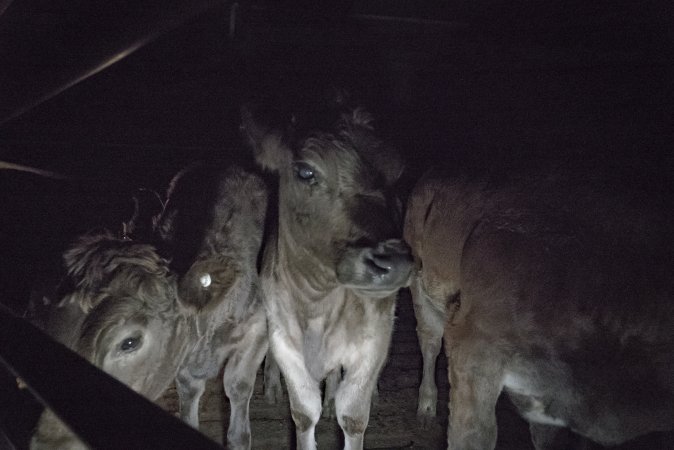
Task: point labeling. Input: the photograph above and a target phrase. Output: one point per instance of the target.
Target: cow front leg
(352, 405)
(273, 390)
(475, 376)
(331, 385)
(550, 437)
(190, 390)
(430, 326)
(304, 392)
(239, 380)
(51, 434)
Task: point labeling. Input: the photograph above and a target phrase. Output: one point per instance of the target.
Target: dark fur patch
(302, 421)
(353, 426)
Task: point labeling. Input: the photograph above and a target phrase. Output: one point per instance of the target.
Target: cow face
(132, 326)
(338, 219)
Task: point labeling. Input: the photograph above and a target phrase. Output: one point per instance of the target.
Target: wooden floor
(393, 418)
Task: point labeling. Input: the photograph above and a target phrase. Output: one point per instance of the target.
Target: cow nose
(380, 264)
(384, 267)
(389, 255)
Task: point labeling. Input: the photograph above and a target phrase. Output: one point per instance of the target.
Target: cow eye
(130, 343)
(304, 171)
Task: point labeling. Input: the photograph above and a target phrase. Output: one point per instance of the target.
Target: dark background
(504, 83)
(117, 95)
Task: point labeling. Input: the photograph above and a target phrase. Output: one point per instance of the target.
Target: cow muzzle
(384, 268)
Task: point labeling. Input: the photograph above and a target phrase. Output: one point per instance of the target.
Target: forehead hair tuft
(359, 117)
(104, 262)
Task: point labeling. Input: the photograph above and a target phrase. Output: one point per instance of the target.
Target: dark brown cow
(553, 292)
(148, 322)
(332, 265)
(212, 226)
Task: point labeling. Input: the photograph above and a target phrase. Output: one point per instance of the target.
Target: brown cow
(554, 292)
(148, 322)
(332, 265)
(212, 226)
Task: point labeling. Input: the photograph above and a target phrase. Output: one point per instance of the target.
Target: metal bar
(4, 165)
(103, 412)
(5, 442)
(4, 4)
(48, 46)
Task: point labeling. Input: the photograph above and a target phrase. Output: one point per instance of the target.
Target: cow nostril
(381, 263)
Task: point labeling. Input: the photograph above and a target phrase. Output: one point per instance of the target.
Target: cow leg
(273, 391)
(331, 385)
(352, 404)
(239, 380)
(190, 390)
(375, 395)
(549, 437)
(51, 433)
(430, 327)
(475, 375)
(304, 392)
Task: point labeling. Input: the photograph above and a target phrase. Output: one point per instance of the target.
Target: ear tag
(205, 280)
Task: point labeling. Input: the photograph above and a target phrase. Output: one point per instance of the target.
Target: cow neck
(302, 270)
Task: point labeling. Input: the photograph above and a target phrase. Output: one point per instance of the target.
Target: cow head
(131, 324)
(338, 219)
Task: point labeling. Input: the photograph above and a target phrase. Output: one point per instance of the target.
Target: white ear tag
(205, 280)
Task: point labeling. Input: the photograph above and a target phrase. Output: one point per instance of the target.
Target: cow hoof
(426, 420)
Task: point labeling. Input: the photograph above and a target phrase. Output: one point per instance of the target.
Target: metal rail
(40, 57)
(104, 413)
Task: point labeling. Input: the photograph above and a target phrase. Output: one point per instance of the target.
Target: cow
(177, 309)
(333, 261)
(554, 289)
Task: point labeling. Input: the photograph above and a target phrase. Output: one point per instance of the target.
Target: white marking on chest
(536, 413)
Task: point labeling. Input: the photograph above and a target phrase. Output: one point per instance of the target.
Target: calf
(552, 292)
(147, 321)
(333, 264)
(215, 246)
(120, 312)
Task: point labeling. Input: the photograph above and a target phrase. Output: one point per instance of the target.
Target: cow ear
(269, 142)
(147, 205)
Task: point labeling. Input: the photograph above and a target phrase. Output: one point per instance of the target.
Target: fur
(329, 305)
(551, 291)
(147, 320)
